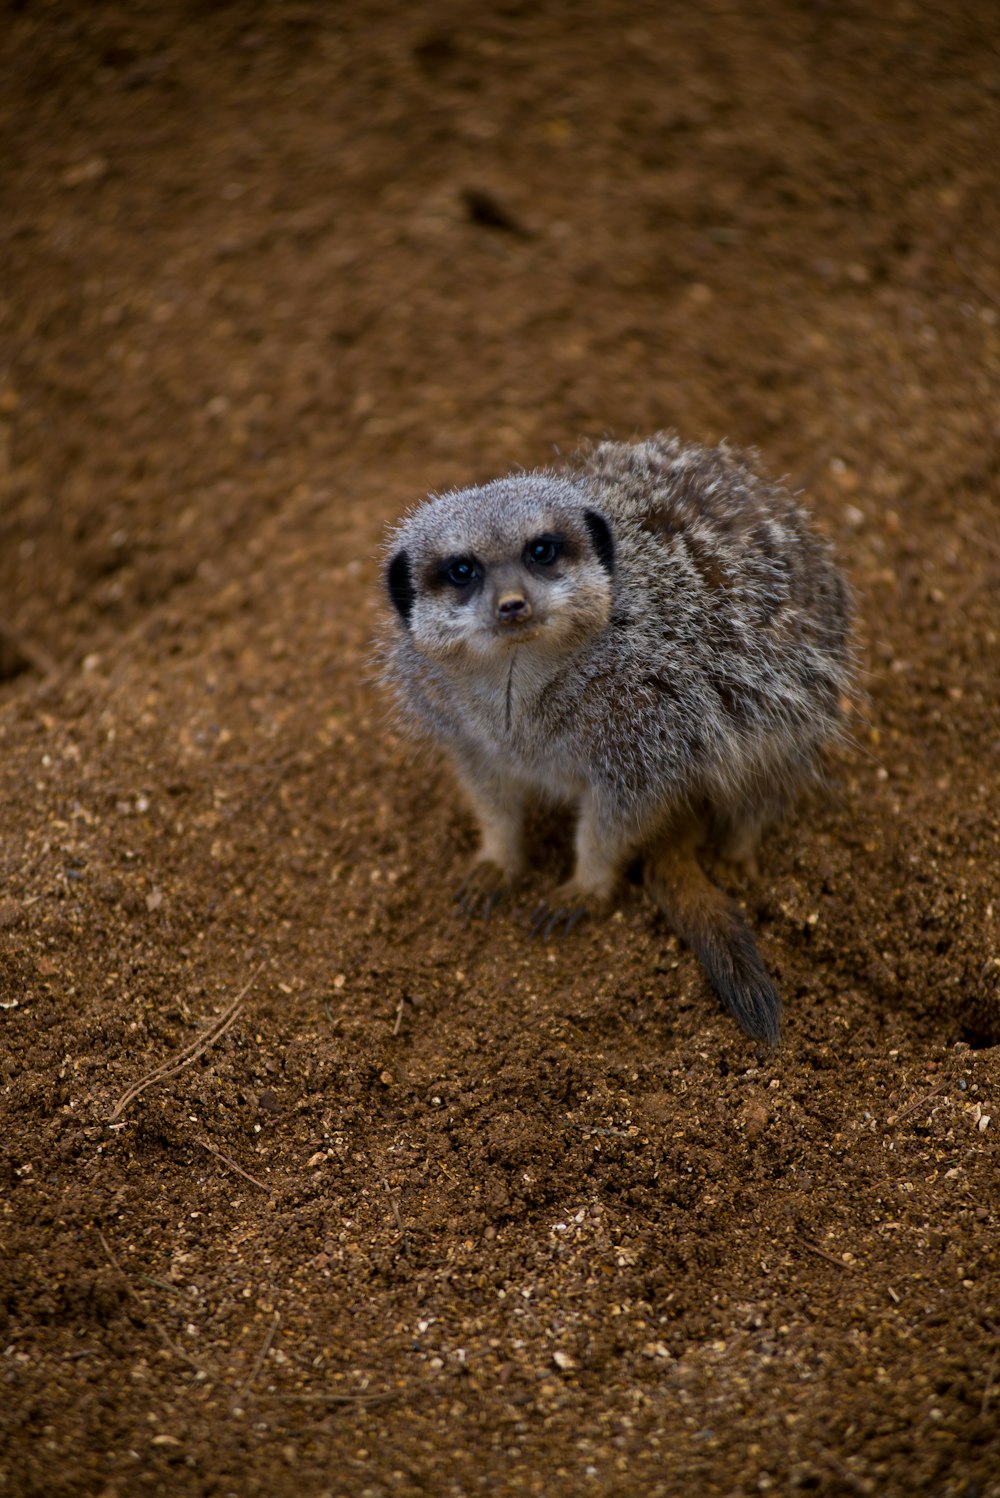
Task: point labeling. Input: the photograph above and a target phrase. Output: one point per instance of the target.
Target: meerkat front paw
(567, 907)
(482, 889)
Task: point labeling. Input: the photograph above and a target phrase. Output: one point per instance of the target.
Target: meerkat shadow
(549, 837)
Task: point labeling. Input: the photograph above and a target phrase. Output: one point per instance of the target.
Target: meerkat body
(656, 638)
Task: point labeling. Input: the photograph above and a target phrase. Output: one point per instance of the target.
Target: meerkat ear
(399, 585)
(601, 539)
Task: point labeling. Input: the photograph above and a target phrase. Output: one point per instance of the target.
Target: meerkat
(655, 637)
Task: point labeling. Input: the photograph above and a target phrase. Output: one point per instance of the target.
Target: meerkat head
(521, 563)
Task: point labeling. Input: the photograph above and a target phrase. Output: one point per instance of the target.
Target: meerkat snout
(656, 638)
(512, 607)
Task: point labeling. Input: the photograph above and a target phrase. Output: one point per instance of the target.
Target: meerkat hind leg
(738, 841)
(713, 927)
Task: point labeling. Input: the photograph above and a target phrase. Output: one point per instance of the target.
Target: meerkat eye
(543, 550)
(461, 571)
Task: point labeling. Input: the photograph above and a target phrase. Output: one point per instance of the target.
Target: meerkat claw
(481, 891)
(546, 921)
(539, 924)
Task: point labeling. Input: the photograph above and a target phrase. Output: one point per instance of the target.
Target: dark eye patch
(399, 585)
(601, 539)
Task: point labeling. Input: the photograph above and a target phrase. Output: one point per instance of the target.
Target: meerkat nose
(511, 607)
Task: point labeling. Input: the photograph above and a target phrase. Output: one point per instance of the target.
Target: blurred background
(252, 248)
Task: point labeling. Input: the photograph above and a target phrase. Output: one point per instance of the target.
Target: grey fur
(683, 662)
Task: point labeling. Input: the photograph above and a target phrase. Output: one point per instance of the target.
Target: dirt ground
(444, 1210)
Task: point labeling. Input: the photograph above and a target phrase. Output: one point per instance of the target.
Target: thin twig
(973, 276)
(920, 1102)
(242, 1393)
(823, 1253)
(18, 653)
(165, 1336)
(190, 1053)
(232, 1165)
(844, 1473)
(990, 1385)
(359, 1398)
(991, 543)
(395, 1206)
(280, 767)
(147, 1279)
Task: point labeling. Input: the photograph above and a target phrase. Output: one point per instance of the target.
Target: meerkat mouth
(516, 634)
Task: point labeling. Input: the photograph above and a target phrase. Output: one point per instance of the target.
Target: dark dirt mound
(436, 1209)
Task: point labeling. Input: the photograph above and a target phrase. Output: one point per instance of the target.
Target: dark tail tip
(716, 932)
(736, 971)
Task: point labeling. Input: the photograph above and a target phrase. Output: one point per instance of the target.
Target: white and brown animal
(655, 638)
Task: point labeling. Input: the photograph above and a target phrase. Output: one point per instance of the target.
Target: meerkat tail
(712, 926)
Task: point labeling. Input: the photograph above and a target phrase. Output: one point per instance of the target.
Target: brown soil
(445, 1210)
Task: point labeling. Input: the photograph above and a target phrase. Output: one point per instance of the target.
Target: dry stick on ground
(395, 1207)
(915, 1107)
(165, 1336)
(18, 654)
(232, 1165)
(856, 1484)
(334, 1399)
(990, 1385)
(824, 1253)
(190, 1053)
(241, 1394)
